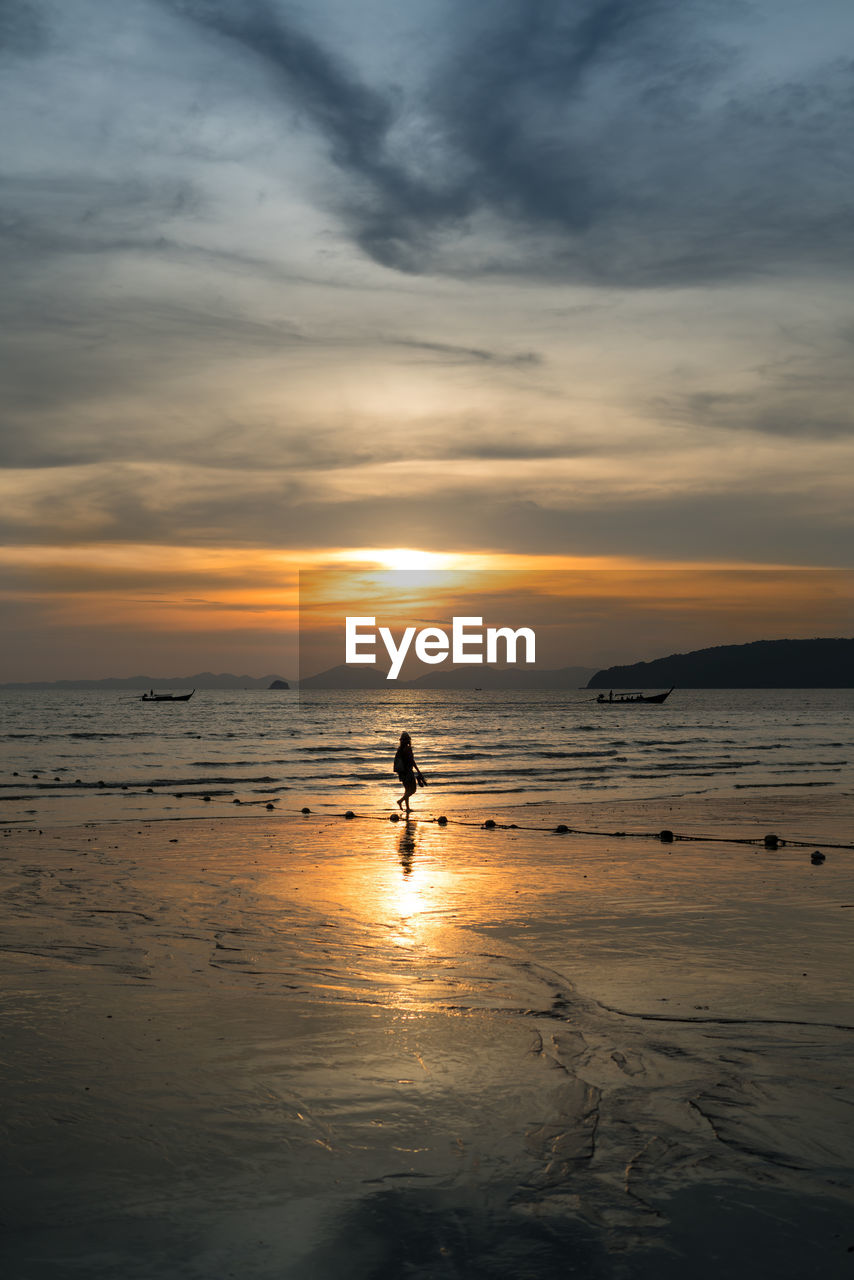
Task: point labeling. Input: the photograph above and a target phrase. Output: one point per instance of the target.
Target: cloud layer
(605, 141)
(509, 275)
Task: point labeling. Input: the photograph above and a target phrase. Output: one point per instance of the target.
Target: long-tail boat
(610, 701)
(166, 697)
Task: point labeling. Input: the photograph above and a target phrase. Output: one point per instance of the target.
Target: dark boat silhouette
(167, 697)
(633, 697)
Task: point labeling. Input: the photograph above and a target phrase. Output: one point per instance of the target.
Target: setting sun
(406, 558)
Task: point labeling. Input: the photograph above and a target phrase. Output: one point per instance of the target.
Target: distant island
(201, 680)
(763, 664)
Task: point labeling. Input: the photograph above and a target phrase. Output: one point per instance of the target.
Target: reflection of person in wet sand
(407, 770)
(406, 846)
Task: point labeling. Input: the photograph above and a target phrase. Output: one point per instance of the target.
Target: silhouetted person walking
(407, 770)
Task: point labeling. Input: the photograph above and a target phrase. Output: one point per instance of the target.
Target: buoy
(561, 829)
(666, 837)
(394, 817)
(817, 858)
(772, 841)
(271, 806)
(489, 824)
(305, 809)
(442, 821)
(235, 801)
(349, 814)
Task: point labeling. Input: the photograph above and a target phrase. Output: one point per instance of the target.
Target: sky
(511, 282)
(582, 617)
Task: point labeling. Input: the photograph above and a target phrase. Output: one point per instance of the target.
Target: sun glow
(410, 559)
(407, 558)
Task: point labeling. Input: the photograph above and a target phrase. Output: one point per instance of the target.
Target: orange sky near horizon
(174, 602)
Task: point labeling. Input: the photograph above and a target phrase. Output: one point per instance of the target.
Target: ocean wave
(753, 786)
(531, 746)
(577, 755)
(217, 764)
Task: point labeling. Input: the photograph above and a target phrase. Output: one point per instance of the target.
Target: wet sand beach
(301, 1046)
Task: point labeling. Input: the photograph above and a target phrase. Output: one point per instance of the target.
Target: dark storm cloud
(614, 135)
(23, 29)
(509, 99)
(606, 141)
(354, 117)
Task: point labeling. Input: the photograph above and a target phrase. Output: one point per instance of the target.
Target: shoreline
(727, 814)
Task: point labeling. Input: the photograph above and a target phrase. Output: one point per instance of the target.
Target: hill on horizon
(820, 663)
(468, 677)
(346, 677)
(761, 664)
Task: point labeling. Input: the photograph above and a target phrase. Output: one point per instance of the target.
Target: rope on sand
(666, 837)
(769, 842)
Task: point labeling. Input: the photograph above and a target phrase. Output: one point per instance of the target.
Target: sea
(76, 756)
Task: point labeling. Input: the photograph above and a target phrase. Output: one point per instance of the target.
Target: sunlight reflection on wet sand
(464, 1052)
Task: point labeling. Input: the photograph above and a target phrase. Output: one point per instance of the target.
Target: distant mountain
(482, 677)
(345, 677)
(202, 680)
(341, 677)
(763, 664)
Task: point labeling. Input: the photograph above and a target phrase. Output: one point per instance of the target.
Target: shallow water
(83, 756)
